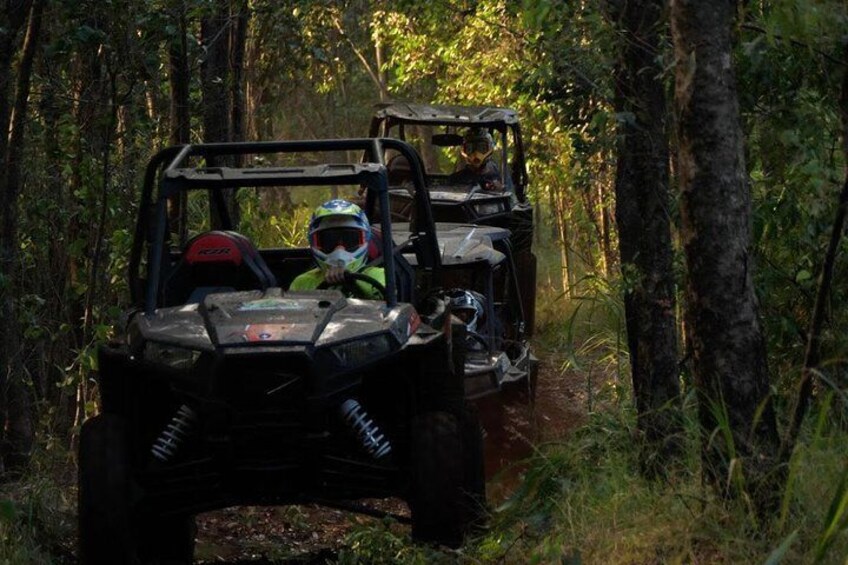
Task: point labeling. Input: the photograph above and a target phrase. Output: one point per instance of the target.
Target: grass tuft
(583, 500)
(38, 511)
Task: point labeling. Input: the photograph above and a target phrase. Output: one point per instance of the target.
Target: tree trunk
(606, 225)
(215, 80)
(558, 209)
(644, 233)
(88, 97)
(179, 76)
(17, 402)
(736, 414)
(237, 46)
(592, 207)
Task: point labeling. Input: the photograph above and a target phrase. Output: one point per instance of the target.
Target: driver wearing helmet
(467, 305)
(478, 168)
(339, 234)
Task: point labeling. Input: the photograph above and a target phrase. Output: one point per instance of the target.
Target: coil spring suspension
(175, 433)
(373, 440)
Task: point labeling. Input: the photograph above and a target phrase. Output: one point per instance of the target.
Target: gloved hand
(334, 275)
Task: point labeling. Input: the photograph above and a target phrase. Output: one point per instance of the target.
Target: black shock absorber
(373, 440)
(175, 433)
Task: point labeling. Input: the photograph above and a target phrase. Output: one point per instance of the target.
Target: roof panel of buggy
(231, 177)
(448, 115)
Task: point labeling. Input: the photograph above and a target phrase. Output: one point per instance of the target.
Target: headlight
(405, 325)
(488, 208)
(361, 351)
(170, 355)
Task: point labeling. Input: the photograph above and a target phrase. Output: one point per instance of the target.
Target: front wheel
(110, 531)
(105, 532)
(447, 493)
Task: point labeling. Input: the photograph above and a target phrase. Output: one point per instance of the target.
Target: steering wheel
(349, 283)
(477, 337)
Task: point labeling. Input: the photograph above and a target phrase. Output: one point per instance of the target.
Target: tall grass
(585, 500)
(584, 334)
(38, 511)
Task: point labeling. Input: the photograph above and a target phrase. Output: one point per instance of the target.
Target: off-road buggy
(497, 352)
(226, 390)
(436, 133)
(476, 260)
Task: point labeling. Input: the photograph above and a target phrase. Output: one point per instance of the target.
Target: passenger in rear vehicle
(339, 234)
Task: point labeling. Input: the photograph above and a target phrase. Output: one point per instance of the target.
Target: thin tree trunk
(728, 346)
(561, 223)
(99, 231)
(592, 207)
(377, 77)
(606, 227)
(382, 74)
(88, 95)
(18, 424)
(179, 76)
(813, 352)
(644, 233)
(55, 108)
(238, 40)
(215, 78)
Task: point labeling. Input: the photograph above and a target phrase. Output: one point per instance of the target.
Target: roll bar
(172, 166)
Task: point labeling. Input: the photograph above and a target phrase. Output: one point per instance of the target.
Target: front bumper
(488, 373)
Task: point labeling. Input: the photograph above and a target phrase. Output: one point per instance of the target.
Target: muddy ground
(310, 534)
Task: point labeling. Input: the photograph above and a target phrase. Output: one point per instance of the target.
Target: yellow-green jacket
(310, 280)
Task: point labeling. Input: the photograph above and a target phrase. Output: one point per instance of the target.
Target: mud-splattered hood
(273, 318)
(459, 244)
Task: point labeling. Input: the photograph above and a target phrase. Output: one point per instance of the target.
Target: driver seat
(216, 261)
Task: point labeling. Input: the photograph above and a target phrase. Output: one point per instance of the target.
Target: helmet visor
(466, 314)
(330, 239)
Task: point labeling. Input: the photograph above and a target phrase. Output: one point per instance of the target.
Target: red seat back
(216, 261)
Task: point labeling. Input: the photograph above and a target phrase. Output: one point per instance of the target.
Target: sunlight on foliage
(380, 543)
(268, 224)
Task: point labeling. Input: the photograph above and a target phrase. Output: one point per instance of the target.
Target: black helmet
(468, 306)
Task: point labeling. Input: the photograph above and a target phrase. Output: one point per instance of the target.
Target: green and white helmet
(339, 234)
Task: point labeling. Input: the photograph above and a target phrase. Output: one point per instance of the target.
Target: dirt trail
(513, 425)
(311, 534)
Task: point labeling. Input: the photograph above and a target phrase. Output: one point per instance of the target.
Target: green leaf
(803, 275)
(835, 518)
(777, 555)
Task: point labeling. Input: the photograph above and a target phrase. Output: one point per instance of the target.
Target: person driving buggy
(478, 167)
(467, 305)
(339, 234)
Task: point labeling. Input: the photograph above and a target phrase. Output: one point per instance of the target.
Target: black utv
(436, 132)
(476, 267)
(226, 389)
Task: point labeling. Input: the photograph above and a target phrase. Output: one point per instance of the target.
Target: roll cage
(503, 120)
(169, 173)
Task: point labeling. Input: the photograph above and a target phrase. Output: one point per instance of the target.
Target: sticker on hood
(267, 332)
